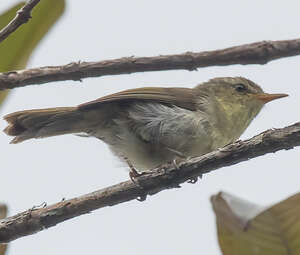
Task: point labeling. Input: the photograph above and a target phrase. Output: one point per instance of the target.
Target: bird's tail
(24, 125)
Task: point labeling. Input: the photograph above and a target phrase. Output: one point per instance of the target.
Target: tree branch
(22, 17)
(254, 53)
(167, 176)
(3, 213)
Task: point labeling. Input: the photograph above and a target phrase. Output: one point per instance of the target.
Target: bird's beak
(269, 97)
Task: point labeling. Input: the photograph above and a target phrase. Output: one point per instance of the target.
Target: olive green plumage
(150, 126)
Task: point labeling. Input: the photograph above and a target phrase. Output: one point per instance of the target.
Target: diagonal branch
(254, 53)
(3, 213)
(22, 17)
(167, 176)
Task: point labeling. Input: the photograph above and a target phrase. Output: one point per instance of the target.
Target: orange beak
(269, 97)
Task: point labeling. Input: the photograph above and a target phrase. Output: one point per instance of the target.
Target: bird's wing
(181, 97)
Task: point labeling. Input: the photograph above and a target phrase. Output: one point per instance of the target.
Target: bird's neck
(229, 121)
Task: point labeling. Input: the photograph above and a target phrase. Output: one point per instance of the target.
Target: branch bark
(22, 17)
(254, 53)
(3, 213)
(167, 176)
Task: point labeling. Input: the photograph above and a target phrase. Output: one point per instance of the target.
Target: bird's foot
(195, 179)
(192, 180)
(177, 160)
(133, 174)
(141, 198)
(175, 164)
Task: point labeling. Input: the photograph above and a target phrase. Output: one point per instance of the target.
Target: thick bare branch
(22, 17)
(254, 53)
(167, 176)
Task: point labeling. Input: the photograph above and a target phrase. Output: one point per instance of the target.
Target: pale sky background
(175, 221)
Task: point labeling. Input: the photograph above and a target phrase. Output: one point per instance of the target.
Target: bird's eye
(240, 88)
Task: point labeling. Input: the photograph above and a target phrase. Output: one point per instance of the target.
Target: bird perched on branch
(153, 125)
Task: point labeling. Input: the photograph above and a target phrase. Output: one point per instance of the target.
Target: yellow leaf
(248, 229)
(18, 47)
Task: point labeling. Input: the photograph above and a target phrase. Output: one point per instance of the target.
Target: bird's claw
(175, 164)
(133, 174)
(141, 198)
(193, 180)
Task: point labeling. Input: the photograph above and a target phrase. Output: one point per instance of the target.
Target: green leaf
(248, 229)
(18, 47)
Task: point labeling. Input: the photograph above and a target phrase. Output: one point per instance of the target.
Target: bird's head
(239, 99)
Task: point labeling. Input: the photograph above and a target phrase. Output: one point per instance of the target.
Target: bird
(147, 127)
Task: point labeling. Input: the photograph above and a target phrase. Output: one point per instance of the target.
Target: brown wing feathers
(62, 120)
(182, 97)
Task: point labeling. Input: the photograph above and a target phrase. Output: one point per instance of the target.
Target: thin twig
(22, 17)
(167, 176)
(254, 53)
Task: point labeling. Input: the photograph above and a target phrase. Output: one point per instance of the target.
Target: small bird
(149, 126)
